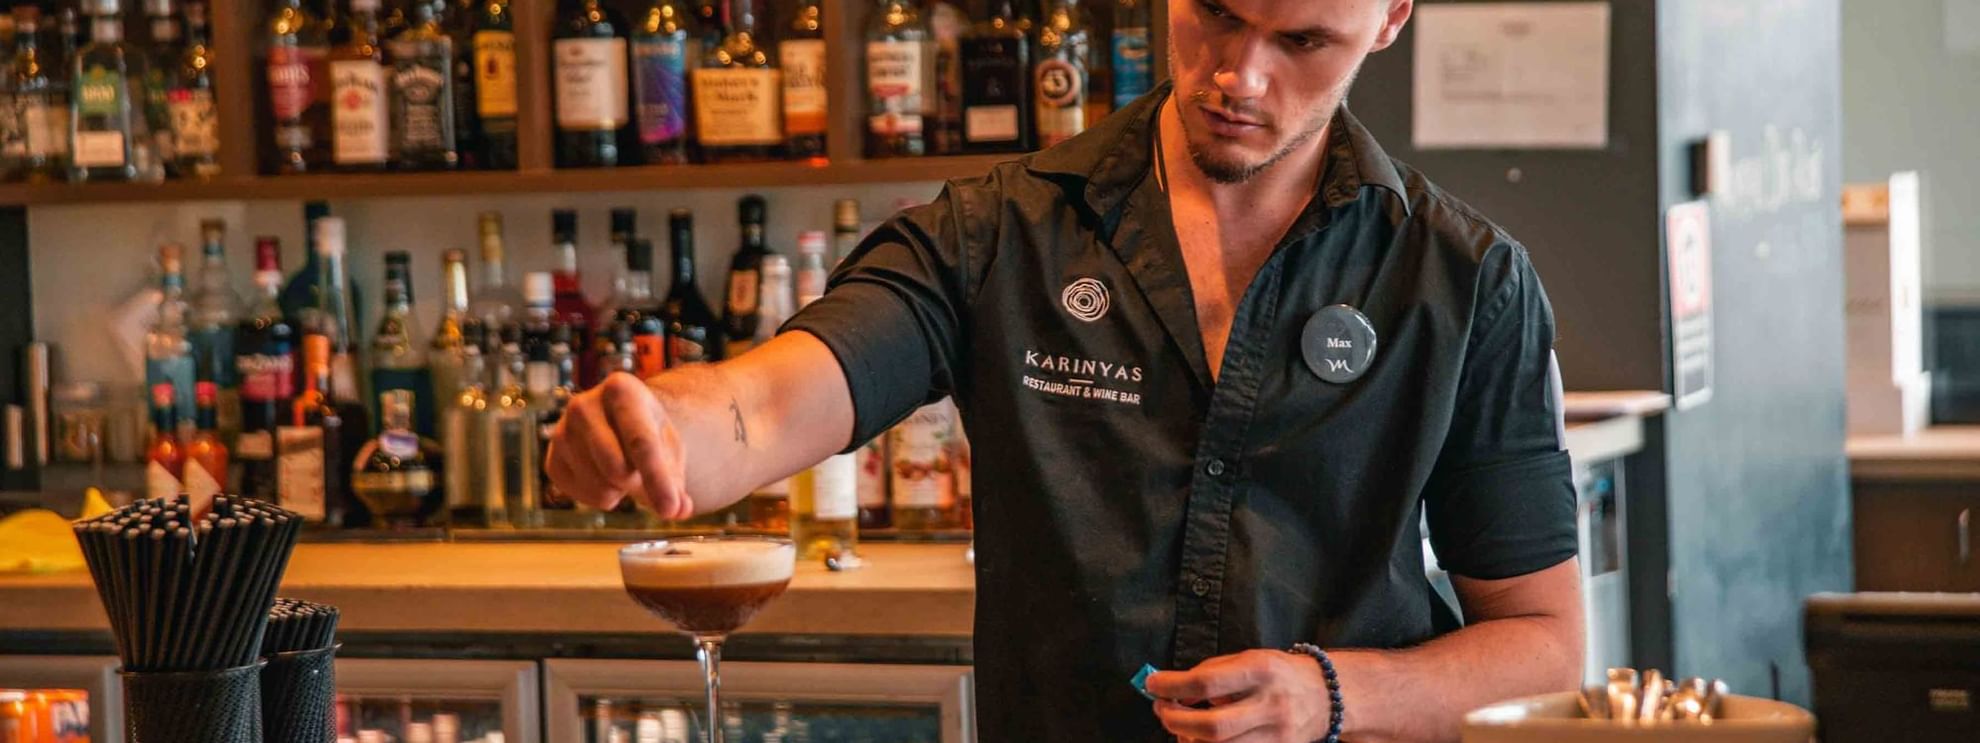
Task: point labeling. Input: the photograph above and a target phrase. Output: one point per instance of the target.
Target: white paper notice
(1512, 75)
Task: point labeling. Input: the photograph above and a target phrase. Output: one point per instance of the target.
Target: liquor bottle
(590, 54)
(299, 296)
(168, 356)
(1059, 80)
(802, 55)
(101, 114)
(694, 333)
(189, 102)
(946, 24)
(661, 48)
(396, 19)
(545, 348)
(397, 360)
(495, 102)
(41, 105)
(393, 475)
(845, 229)
(574, 310)
(770, 506)
(297, 50)
(64, 37)
(741, 313)
(514, 472)
(205, 471)
(13, 137)
(811, 274)
(496, 302)
(997, 103)
(824, 509)
(923, 469)
(457, 19)
(449, 343)
(160, 61)
(708, 24)
(423, 94)
(624, 221)
(360, 128)
(900, 72)
(165, 458)
(464, 433)
(1133, 64)
(307, 450)
(336, 321)
(215, 309)
(265, 363)
(738, 115)
(638, 315)
(873, 483)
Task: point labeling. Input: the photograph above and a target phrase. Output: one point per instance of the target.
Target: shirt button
(1200, 587)
(1216, 468)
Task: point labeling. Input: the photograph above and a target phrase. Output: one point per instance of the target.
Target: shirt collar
(1113, 157)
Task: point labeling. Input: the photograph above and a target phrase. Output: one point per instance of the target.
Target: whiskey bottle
(214, 309)
(738, 113)
(393, 475)
(742, 313)
(297, 51)
(195, 123)
(398, 362)
(40, 104)
(495, 102)
(160, 60)
(900, 71)
(457, 21)
(802, 55)
(590, 54)
(422, 61)
(997, 104)
(102, 117)
(1133, 63)
(335, 321)
(309, 480)
(694, 333)
(573, 309)
(660, 52)
(360, 132)
(1059, 81)
(265, 364)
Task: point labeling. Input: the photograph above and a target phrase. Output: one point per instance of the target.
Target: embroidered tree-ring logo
(1058, 82)
(1086, 299)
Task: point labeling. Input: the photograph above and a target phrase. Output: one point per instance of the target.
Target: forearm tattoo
(742, 432)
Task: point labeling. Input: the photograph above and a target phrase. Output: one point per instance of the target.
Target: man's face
(1257, 79)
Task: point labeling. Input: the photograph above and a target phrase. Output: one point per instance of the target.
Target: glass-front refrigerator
(631, 701)
(437, 701)
(60, 699)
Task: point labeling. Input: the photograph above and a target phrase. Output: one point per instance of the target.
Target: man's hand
(617, 440)
(1257, 696)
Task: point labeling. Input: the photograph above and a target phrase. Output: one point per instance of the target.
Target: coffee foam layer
(707, 564)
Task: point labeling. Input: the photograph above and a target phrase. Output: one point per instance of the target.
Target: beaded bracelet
(1339, 709)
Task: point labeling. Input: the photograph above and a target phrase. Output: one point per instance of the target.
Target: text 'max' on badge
(1338, 344)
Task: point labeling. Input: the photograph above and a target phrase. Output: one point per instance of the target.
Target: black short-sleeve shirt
(1130, 509)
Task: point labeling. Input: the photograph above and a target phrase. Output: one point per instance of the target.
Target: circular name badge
(1338, 344)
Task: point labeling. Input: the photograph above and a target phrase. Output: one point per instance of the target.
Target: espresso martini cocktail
(708, 587)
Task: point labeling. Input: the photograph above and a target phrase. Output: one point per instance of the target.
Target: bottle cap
(623, 219)
(811, 242)
(680, 213)
(158, 7)
(538, 289)
(751, 209)
(454, 255)
(329, 236)
(169, 257)
(776, 268)
(398, 258)
(491, 224)
(267, 254)
(563, 225)
(845, 214)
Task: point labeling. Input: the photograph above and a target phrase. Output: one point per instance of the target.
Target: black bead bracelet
(1337, 707)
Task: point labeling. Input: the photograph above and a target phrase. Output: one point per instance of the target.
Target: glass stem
(708, 650)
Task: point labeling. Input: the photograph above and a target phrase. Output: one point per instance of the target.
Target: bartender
(1218, 358)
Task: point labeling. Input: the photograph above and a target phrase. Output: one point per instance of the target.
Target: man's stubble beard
(1229, 172)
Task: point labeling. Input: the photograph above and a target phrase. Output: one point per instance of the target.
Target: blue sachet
(1140, 681)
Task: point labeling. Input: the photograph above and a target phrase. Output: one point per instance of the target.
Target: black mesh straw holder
(299, 696)
(193, 706)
